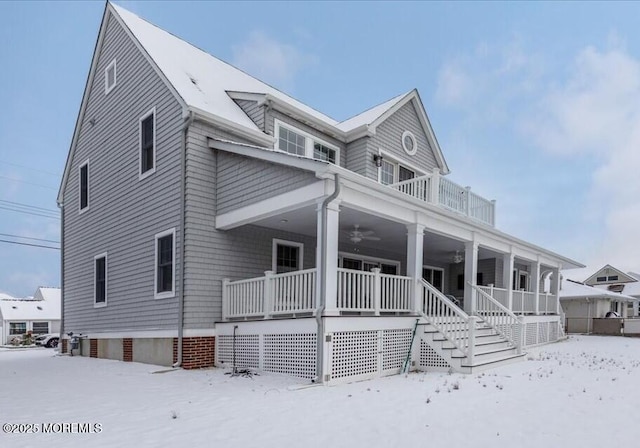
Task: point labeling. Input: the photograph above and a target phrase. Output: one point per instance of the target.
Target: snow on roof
(48, 293)
(30, 310)
(200, 79)
(4, 296)
(575, 290)
(370, 115)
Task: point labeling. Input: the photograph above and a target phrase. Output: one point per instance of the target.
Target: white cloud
(274, 62)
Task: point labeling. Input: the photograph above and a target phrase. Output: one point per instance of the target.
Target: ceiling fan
(458, 257)
(356, 235)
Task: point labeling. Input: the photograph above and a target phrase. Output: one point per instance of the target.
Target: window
(100, 280)
(165, 264)
(148, 143)
(295, 141)
(405, 174)
(409, 143)
(40, 328)
(110, 77)
(287, 256)
(364, 263)
(434, 276)
(391, 172)
(612, 278)
(387, 171)
(17, 328)
(84, 186)
(601, 279)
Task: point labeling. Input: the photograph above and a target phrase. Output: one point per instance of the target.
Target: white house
(39, 315)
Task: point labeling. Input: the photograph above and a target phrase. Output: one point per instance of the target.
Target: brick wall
(127, 349)
(65, 344)
(93, 348)
(197, 352)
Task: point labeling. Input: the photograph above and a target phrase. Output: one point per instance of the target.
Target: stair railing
(498, 317)
(450, 321)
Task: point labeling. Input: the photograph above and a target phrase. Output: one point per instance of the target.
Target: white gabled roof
(575, 290)
(369, 116)
(24, 310)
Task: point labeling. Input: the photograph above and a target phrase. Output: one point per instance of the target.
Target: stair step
(486, 353)
(491, 363)
(446, 345)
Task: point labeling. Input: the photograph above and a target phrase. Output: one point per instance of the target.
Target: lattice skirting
(430, 359)
(291, 354)
(541, 333)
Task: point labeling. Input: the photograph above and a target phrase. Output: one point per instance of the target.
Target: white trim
(149, 334)
(274, 253)
(411, 152)
(107, 87)
(308, 143)
(397, 161)
(147, 173)
(80, 208)
(369, 258)
(106, 275)
(172, 292)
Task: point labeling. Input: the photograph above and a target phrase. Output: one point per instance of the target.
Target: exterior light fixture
(377, 159)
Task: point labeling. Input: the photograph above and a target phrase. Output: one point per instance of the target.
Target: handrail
(410, 181)
(452, 322)
(499, 317)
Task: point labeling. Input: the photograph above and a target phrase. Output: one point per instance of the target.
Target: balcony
(434, 189)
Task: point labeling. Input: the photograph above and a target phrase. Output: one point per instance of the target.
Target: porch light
(377, 159)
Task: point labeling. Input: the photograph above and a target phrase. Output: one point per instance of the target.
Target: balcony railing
(435, 189)
(524, 302)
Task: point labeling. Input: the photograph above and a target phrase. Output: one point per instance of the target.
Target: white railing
(548, 303)
(524, 302)
(273, 294)
(418, 187)
(499, 294)
(435, 189)
(356, 290)
(498, 317)
(452, 196)
(453, 323)
(395, 293)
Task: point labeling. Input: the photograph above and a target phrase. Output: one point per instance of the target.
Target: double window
(40, 327)
(434, 276)
(16, 328)
(84, 186)
(148, 143)
(287, 256)
(392, 172)
(295, 141)
(165, 264)
(363, 263)
(100, 280)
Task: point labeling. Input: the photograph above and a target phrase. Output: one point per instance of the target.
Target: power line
(27, 182)
(30, 206)
(26, 212)
(29, 238)
(29, 168)
(29, 244)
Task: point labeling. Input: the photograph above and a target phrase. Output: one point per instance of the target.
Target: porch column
(508, 261)
(328, 238)
(536, 283)
(415, 240)
(470, 275)
(555, 287)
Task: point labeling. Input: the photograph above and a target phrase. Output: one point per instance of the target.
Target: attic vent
(39, 307)
(14, 307)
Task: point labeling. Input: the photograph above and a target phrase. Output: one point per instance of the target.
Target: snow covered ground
(582, 392)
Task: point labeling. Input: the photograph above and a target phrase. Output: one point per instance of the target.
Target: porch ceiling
(393, 235)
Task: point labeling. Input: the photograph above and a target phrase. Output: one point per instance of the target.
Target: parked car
(48, 340)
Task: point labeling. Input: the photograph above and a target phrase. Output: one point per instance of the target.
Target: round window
(409, 143)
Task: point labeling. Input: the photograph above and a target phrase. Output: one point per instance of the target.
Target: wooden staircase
(469, 343)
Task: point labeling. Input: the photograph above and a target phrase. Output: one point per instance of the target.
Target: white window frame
(274, 253)
(41, 322)
(172, 293)
(397, 161)
(411, 152)
(147, 173)
(368, 258)
(80, 208)
(436, 268)
(107, 87)
(26, 327)
(309, 140)
(106, 279)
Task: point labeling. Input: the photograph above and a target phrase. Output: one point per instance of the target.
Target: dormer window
(110, 77)
(297, 142)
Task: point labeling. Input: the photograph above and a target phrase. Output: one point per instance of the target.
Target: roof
(48, 293)
(572, 290)
(607, 270)
(30, 310)
(4, 296)
(369, 116)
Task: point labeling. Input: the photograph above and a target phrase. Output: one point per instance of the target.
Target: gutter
(323, 281)
(183, 189)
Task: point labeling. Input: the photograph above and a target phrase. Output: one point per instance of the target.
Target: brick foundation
(197, 352)
(127, 349)
(93, 348)
(65, 343)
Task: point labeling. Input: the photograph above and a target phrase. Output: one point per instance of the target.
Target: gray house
(209, 217)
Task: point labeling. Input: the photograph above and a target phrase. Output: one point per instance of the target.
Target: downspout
(183, 189)
(323, 281)
(61, 207)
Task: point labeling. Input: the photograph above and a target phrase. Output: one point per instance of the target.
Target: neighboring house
(584, 304)
(614, 280)
(39, 314)
(205, 212)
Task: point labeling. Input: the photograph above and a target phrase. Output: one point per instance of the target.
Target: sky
(536, 105)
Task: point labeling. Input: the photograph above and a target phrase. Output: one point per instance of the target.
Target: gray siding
(253, 111)
(273, 114)
(389, 138)
(359, 160)
(243, 181)
(124, 213)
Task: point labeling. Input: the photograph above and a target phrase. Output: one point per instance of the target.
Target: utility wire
(26, 212)
(29, 183)
(29, 238)
(29, 244)
(29, 168)
(20, 204)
